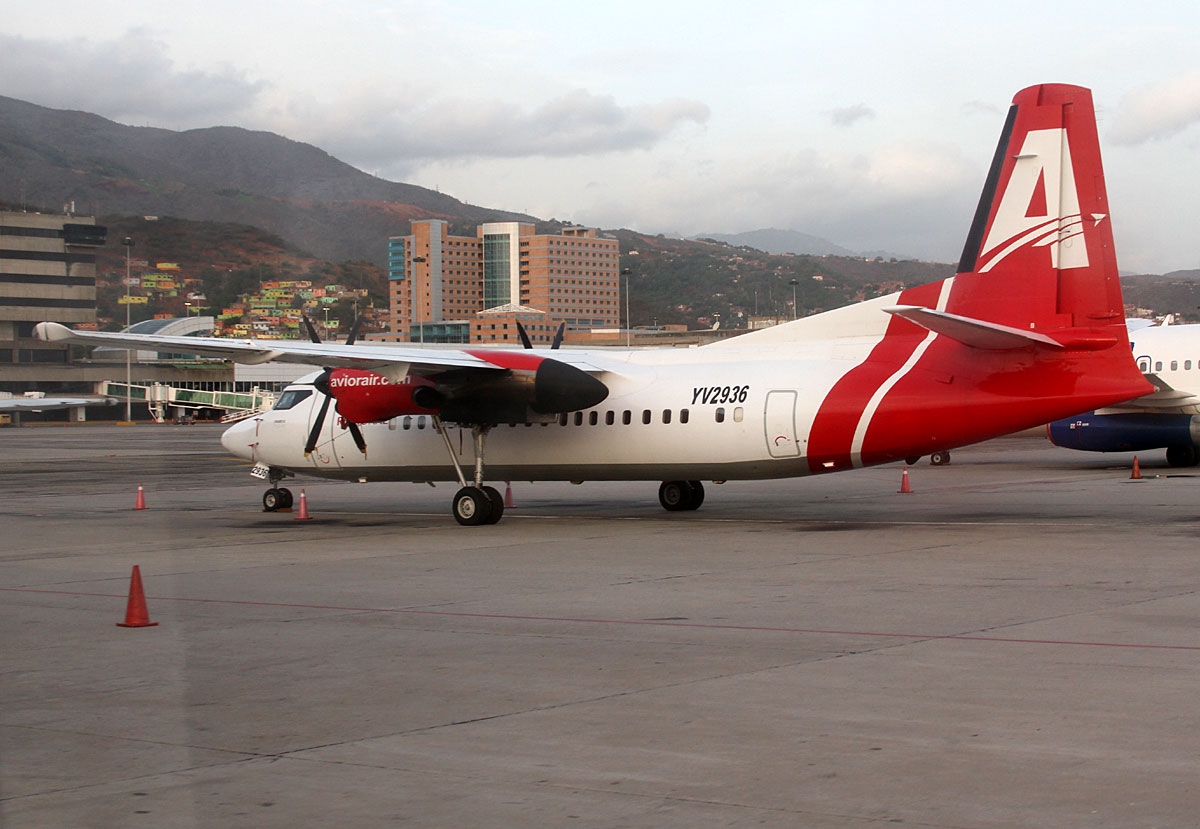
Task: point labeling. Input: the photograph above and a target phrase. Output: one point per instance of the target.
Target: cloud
(574, 124)
(849, 116)
(131, 79)
(1157, 111)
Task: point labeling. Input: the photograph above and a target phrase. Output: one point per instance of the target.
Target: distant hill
(50, 158)
(773, 240)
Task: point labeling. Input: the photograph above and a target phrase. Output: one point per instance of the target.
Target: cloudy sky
(868, 123)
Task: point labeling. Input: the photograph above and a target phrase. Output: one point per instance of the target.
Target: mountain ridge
(50, 158)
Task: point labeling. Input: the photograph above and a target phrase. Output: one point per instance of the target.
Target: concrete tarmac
(1014, 643)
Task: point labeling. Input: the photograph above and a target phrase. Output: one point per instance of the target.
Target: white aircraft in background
(1169, 356)
(1031, 329)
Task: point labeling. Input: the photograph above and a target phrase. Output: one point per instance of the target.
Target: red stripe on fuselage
(831, 438)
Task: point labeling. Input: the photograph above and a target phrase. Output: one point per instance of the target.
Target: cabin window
(579, 418)
(291, 397)
(626, 417)
(720, 414)
(666, 415)
(1187, 365)
(1174, 365)
(646, 416)
(1158, 365)
(610, 418)
(683, 415)
(593, 418)
(420, 421)
(406, 423)
(737, 414)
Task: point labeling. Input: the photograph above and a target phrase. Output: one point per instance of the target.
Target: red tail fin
(1030, 330)
(1040, 253)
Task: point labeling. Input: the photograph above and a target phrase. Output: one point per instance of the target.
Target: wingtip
(51, 331)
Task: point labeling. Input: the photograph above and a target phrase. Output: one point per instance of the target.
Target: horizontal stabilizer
(972, 332)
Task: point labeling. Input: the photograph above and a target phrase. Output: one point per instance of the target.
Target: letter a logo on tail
(1040, 205)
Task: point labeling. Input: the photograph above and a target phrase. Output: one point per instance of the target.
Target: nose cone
(239, 439)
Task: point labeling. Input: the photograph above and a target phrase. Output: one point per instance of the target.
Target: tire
(285, 496)
(939, 459)
(697, 489)
(675, 496)
(1181, 455)
(472, 506)
(497, 503)
(272, 500)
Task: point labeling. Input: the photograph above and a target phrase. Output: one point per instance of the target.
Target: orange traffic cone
(302, 512)
(1137, 470)
(141, 499)
(508, 502)
(136, 615)
(904, 487)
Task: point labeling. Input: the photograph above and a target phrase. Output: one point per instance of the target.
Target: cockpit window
(291, 397)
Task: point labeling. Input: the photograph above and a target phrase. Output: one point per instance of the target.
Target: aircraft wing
(45, 404)
(393, 362)
(1163, 400)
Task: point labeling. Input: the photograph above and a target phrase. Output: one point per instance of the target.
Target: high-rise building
(440, 285)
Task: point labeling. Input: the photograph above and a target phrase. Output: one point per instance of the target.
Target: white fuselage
(710, 414)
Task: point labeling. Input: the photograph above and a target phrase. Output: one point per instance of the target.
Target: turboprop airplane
(1168, 418)
(1029, 330)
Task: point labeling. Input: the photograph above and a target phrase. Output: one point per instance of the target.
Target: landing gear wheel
(676, 496)
(497, 501)
(285, 497)
(940, 459)
(272, 500)
(472, 506)
(1184, 455)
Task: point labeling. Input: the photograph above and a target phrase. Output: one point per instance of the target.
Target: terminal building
(47, 272)
(474, 289)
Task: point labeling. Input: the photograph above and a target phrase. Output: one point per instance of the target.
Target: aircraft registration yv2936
(1030, 329)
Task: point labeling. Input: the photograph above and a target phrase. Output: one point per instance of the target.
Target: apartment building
(440, 284)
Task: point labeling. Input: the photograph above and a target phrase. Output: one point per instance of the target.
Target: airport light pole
(626, 272)
(128, 243)
(794, 283)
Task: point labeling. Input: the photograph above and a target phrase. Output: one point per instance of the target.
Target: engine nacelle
(1125, 432)
(367, 397)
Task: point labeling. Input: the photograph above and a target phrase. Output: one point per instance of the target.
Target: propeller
(322, 385)
(558, 336)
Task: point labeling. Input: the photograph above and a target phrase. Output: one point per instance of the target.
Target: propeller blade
(524, 336)
(353, 335)
(315, 434)
(558, 336)
(356, 433)
(312, 332)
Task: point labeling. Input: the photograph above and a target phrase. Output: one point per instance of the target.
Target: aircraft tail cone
(904, 485)
(136, 615)
(1137, 470)
(508, 501)
(302, 512)
(140, 503)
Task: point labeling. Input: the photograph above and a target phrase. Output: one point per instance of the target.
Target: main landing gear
(474, 504)
(677, 496)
